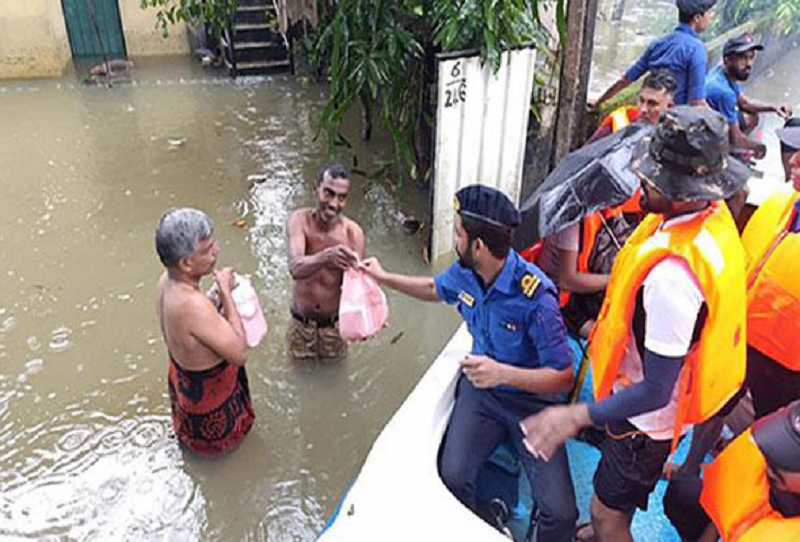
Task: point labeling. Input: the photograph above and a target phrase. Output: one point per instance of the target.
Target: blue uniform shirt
(682, 53)
(722, 94)
(794, 225)
(516, 320)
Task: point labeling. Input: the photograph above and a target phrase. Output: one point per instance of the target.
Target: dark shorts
(629, 468)
(309, 339)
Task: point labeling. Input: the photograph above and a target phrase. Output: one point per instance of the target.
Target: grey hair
(179, 232)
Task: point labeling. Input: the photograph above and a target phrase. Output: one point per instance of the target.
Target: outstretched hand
(546, 431)
(373, 268)
(341, 256)
(784, 111)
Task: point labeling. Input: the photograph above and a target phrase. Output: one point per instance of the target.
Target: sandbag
(362, 309)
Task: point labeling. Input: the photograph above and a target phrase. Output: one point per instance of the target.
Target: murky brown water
(86, 450)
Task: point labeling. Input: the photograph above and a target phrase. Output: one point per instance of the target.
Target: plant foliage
(216, 14)
(379, 53)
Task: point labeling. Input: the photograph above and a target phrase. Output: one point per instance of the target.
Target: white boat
(398, 495)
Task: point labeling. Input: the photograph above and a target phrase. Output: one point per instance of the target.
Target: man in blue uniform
(681, 52)
(520, 361)
(724, 94)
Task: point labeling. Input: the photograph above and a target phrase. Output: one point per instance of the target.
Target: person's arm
(572, 280)
(740, 141)
(752, 105)
(302, 266)
(221, 333)
(621, 84)
(651, 393)
(545, 327)
(357, 238)
(485, 372)
(423, 288)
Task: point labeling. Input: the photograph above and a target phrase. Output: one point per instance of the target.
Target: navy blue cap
(693, 7)
(790, 137)
(488, 205)
(741, 44)
(778, 437)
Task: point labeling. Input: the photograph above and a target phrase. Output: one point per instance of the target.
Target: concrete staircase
(253, 45)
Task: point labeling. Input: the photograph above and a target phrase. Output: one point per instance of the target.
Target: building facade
(39, 38)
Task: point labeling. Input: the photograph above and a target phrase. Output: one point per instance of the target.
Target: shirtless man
(208, 388)
(322, 244)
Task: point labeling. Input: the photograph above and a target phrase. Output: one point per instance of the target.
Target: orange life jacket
(773, 289)
(591, 225)
(620, 118)
(736, 496)
(714, 368)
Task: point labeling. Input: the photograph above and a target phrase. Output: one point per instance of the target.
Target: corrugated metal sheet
(481, 125)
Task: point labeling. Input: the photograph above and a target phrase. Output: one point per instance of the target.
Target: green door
(94, 28)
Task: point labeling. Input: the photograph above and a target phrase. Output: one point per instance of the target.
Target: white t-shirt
(672, 300)
(566, 239)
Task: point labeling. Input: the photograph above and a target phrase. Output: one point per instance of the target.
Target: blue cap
(778, 437)
(488, 205)
(741, 44)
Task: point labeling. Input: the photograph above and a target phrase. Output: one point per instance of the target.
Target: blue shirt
(794, 225)
(516, 320)
(682, 53)
(722, 94)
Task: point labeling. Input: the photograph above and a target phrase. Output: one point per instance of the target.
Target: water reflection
(86, 447)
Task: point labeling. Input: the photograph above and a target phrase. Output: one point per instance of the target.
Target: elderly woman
(208, 388)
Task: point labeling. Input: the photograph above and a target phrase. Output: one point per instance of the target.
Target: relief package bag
(362, 310)
(247, 305)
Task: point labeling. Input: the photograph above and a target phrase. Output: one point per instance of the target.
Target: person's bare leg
(610, 525)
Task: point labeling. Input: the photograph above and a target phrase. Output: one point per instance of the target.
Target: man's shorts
(310, 339)
(629, 468)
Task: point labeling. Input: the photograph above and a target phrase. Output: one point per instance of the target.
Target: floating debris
(411, 225)
(240, 223)
(177, 142)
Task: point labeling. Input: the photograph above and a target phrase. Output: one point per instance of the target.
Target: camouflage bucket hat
(687, 157)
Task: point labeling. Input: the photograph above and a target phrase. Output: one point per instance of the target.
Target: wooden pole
(575, 70)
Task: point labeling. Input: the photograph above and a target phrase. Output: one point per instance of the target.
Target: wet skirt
(211, 409)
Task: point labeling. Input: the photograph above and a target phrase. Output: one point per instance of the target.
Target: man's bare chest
(317, 242)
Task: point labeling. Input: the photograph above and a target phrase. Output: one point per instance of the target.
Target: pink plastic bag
(247, 305)
(362, 309)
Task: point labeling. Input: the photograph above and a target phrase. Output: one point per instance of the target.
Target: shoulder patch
(529, 284)
(466, 299)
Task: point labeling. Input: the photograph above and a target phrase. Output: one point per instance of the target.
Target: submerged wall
(33, 39)
(142, 38)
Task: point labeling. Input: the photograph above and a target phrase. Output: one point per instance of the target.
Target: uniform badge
(510, 326)
(456, 204)
(529, 284)
(466, 299)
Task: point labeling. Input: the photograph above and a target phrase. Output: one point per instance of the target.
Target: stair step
(262, 64)
(268, 7)
(252, 26)
(256, 45)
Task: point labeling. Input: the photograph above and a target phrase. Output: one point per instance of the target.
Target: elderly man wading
(208, 389)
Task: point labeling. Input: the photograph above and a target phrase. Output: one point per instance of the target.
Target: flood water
(86, 446)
